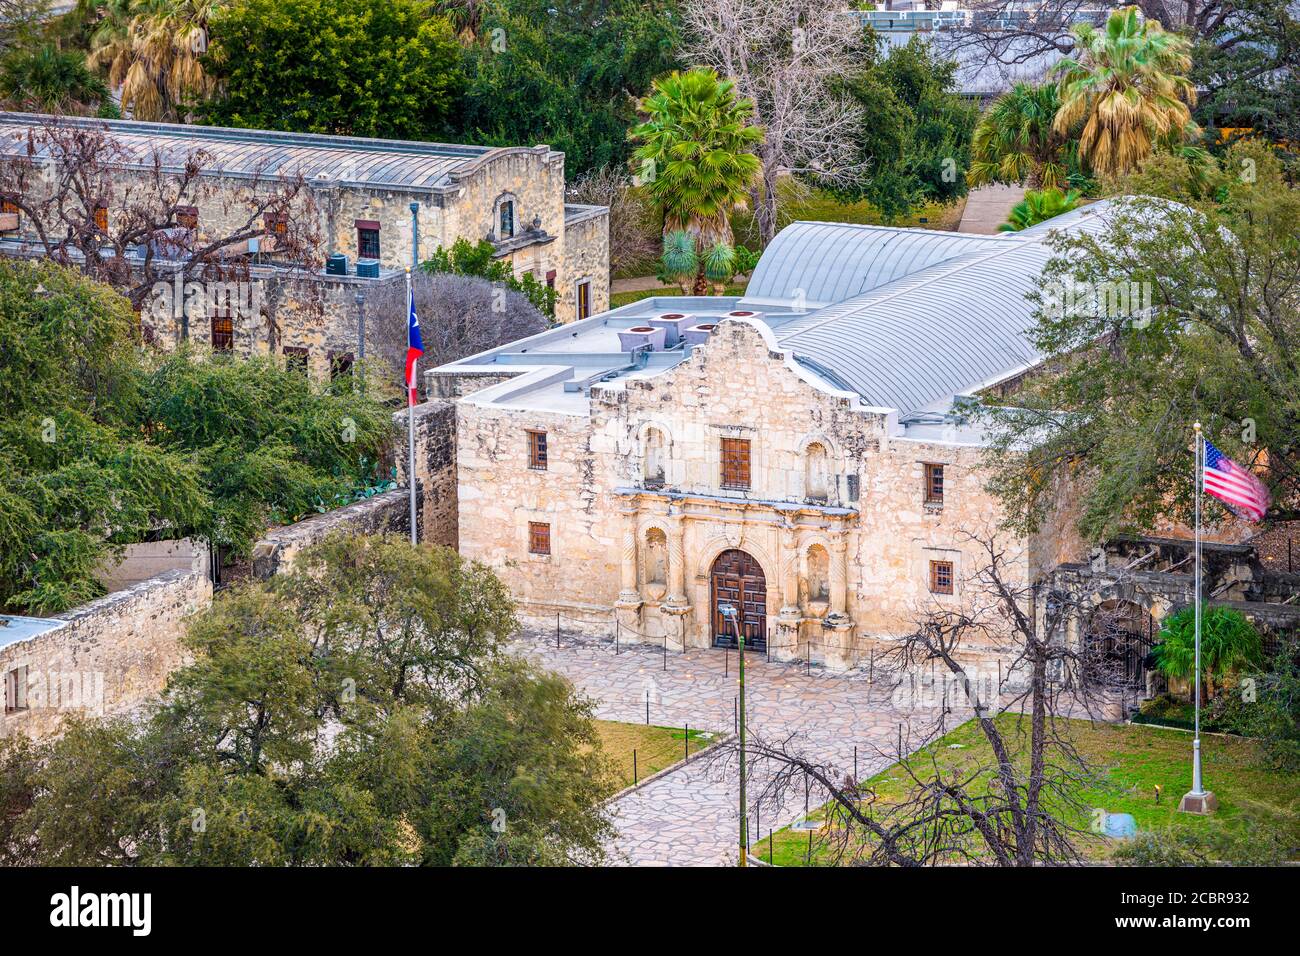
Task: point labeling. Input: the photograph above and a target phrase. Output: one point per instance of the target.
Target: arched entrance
(737, 579)
(1116, 643)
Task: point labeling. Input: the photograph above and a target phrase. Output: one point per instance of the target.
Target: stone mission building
(362, 193)
(793, 453)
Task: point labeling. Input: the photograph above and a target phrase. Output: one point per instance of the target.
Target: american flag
(1243, 493)
(414, 349)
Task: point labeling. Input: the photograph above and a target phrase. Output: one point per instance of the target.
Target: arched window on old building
(816, 473)
(654, 457)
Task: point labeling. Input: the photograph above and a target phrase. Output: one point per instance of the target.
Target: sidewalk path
(988, 207)
(689, 817)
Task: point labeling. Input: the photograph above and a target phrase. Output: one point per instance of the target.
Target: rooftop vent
(699, 334)
(674, 324)
(744, 314)
(642, 336)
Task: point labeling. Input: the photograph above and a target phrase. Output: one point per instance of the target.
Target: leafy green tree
(1040, 205)
(564, 73)
(1127, 89)
(696, 155)
(466, 258)
(916, 130)
(1271, 713)
(388, 68)
(358, 710)
(103, 444)
(46, 79)
(1229, 643)
(1194, 317)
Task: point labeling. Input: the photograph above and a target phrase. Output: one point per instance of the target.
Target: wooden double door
(736, 579)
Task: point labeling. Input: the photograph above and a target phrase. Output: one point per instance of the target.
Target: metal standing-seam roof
(818, 263)
(938, 332)
(240, 152)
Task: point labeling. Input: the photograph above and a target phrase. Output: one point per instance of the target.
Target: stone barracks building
(362, 194)
(794, 452)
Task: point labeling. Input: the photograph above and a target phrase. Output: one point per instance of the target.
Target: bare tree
(788, 57)
(633, 231)
(128, 218)
(459, 316)
(1018, 805)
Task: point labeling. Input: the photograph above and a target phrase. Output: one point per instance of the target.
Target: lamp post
(729, 611)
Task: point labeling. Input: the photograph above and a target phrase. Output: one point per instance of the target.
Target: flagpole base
(1203, 803)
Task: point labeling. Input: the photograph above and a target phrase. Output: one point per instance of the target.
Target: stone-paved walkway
(689, 817)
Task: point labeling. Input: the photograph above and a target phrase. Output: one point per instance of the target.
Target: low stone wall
(107, 657)
(389, 512)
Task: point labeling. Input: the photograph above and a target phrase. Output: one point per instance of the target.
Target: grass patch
(656, 748)
(623, 298)
(1127, 762)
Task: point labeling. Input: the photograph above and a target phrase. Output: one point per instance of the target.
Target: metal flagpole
(1198, 800)
(1196, 737)
(410, 408)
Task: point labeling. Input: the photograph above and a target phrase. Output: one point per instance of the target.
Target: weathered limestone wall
(111, 656)
(148, 559)
(586, 258)
(435, 465)
(389, 512)
(834, 514)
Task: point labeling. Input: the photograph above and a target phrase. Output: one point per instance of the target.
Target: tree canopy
(354, 67)
(1187, 311)
(103, 443)
(358, 710)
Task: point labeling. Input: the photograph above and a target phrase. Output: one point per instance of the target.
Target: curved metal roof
(818, 263)
(240, 152)
(938, 332)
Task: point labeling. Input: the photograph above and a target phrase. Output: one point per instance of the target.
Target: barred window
(296, 359)
(539, 537)
(941, 577)
(101, 218)
(934, 484)
(536, 449)
(223, 333)
(735, 463)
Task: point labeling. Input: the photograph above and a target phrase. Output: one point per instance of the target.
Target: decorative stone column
(841, 652)
(787, 622)
(627, 610)
(677, 606)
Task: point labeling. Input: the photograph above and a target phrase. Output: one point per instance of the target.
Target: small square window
(367, 240)
(187, 216)
(934, 484)
(223, 333)
(539, 537)
(941, 577)
(735, 464)
(340, 364)
(296, 359)
(276, 223)
(16, 689)
(536, 449)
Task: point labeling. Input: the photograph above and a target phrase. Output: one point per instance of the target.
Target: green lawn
(656, 748)
(623, 298)
(1128, 763)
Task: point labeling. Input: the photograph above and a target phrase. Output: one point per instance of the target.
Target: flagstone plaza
(688, 816)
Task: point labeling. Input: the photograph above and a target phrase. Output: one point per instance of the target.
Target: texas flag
(414, 349)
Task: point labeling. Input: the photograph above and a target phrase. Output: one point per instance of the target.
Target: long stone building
(367, 199)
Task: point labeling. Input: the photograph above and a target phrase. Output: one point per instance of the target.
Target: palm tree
(152, 51)
(1127, 88)
(1040, 205)
(47, 80)
(696, 154)
(1014, 142)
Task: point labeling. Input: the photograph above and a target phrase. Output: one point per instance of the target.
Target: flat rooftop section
(907, 319)
(397, 164)
(14, 628)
